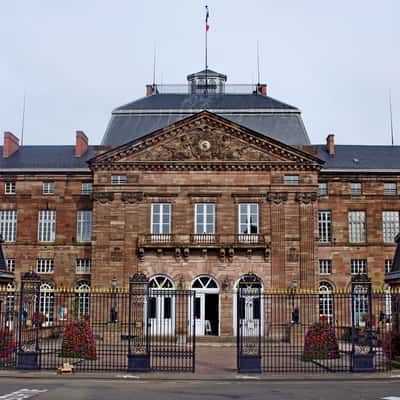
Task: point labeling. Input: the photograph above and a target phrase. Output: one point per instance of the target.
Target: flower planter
(138, 362)
(363, 362)
(27, 360)
(250, 363)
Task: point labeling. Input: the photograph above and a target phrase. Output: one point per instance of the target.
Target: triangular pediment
(205, 138)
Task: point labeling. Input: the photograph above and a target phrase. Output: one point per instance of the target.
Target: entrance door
(250, 312)
(206, 306)
(161, 306)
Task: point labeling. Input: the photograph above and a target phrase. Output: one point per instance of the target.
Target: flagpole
(205, 60)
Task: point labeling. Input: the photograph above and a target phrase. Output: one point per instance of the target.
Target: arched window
(360, 302)
(205, 282)
(326, 301)
(46, 304)
(161, 282)
(10, 304)
(82, 297)
(249, 281)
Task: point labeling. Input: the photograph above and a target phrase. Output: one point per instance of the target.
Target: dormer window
(48, 187)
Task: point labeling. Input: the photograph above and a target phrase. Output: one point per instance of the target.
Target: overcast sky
(79, 59)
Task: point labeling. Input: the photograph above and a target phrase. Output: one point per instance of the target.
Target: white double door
(161, 313)
(250, 315)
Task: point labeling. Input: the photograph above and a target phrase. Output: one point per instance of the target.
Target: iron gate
(319, 332)
(107, 330)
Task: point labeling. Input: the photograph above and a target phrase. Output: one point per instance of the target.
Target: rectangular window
(357, 226)
(389, 188)
(388, 265)
(248, 222)
(10, 264)
(291, 179)
(359, 266)
(47, 226)
(48, 187)
(84, 226)
(323, 188)
(8, 225)
(87, 188)
(83, 265)
(355, 188)
(204, 222)
(119, 179)
(325, 226)
(325, 267)
(390, 225)
(161, 221)
(44, 265)
(9, 188)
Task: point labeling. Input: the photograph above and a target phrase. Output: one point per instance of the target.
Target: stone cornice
(132, 197)
(102, 197)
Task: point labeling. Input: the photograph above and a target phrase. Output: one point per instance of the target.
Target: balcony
(202, 241)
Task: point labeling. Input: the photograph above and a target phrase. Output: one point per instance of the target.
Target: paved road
(251, 389)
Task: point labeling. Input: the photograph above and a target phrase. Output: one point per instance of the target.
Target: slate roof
(360, 158)
(262, 114)
(36, 158)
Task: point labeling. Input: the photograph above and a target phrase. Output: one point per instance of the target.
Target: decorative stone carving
(103, 197)
(277, 197)
(132, 197)
(306, 198)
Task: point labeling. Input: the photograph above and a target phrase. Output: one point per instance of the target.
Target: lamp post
(113, 311)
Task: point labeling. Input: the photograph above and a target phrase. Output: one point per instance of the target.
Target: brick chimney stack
(81, 144)
(262, 89)
(149, 90)
(10, 144)
(330, 144)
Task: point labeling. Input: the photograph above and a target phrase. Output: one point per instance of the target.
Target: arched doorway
(10, 303)
(206, 305)
(326, 301)
(250, 308)
(161, 306)
(82, 296)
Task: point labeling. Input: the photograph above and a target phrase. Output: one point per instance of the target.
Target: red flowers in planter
(320, 342)
(7, 343)
(78, 340)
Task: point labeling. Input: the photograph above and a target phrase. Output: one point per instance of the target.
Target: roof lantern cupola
(206, 82)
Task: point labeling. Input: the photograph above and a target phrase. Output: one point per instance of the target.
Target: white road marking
(128, 376)
(391, 398)
(22, 394)
(248, 377)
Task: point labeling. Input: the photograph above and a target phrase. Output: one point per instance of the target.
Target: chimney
(262, 89)
(10, 144)
(330, 144)
(81, 144)
(149, 90)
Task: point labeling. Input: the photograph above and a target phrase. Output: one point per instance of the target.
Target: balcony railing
(198, 240)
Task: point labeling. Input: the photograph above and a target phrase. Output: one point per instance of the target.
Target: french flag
(207, 15)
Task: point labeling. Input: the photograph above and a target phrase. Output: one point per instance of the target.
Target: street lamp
(113, 311)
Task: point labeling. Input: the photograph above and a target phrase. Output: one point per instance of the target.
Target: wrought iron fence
(313, 332)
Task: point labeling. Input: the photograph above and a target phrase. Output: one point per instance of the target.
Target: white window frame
(87, 187)
(10, 187)
(357, 226)
(48, 187)
(325, 267)
(203, 234)
(291, 179)
(83, 265)
(10, 264)
(165, 211)
(45, 265)
(325, 226)
(388, 264)
(356, 188)
(248, 236)
(119, 179)
(326, 307)
(82, 295)
(359, 266)
(390, 188)
(323, 188)
(84, 224)
(8, 225)
(47, 226)
(390, 225)
(46, 302)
